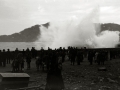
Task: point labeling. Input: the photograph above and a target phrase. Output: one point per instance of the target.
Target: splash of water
(78, 33)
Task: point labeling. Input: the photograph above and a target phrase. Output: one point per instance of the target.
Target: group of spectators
(50, 59)
(17, 58)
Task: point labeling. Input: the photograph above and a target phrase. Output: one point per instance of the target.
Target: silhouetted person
(20, 61)
(23, 52)
(15, 65)
(54, 79)
(45, 60)
(38, 62)
(4, 58)
(28, 58)
(34, 52)
(8, 54)
(95, 58)
(60, 60)
(90, 57)
(79, 57)
(63, 56)
(73, 55)
(99, 57)
(0, 58)
(16, 52)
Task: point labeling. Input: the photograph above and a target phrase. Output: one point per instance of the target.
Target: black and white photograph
(59, 44)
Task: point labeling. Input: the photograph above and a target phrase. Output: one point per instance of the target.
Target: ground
(79, 77)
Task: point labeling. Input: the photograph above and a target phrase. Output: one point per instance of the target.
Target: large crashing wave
(77, 33)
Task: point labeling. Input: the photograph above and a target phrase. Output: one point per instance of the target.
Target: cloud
(109, 9)
(28, 12)
(110, 14)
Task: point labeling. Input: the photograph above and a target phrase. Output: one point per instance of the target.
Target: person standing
(54, 78)
(0, 58)
(8, 54)
(4, 58)
(73, 56)
(20, 61)
(28, 58)
(78, 57)
(90, 57)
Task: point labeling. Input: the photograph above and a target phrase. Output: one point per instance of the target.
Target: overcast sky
(16, 15)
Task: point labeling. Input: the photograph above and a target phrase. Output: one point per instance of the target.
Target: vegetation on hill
(110, 26)
(31, 34)
(27, 35)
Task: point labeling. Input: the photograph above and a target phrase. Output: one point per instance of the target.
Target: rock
(80, 86)
(111, 81)
(101, 80)
(75, 89)
(110, 74)
(105, 87)
(92, 83)
(102, 69)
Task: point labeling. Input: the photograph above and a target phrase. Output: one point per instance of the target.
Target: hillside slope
(31, 34)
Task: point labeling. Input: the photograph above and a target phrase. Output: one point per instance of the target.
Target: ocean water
(20, 45)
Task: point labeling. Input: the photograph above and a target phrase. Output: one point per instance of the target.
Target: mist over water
(78, 33)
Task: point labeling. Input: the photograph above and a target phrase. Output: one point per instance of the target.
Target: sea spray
(107, 39)
(78, 33)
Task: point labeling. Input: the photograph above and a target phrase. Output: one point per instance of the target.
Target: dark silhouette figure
(4, 58)
(15, 65)
(38, 63)
(54, 79)
(0, 58)
(79, 57)
(34, 52)
(101, 58)
(8, 54)
(46, 61)
(23, 52)
(90, 57)
(28, 58)
(73, 55)
(20, 61)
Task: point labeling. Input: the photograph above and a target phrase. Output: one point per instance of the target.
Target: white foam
(78, 33)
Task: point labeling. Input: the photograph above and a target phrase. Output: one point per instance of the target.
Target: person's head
(3, 50)
(8, 49)
(27, 49)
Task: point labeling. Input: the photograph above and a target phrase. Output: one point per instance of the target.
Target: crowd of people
(49, 59)
(52, 60)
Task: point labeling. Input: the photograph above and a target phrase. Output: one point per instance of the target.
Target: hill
(31, 34)
(110, 26)
(27, 35)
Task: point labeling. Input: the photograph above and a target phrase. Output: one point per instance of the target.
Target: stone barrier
(13, 80)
